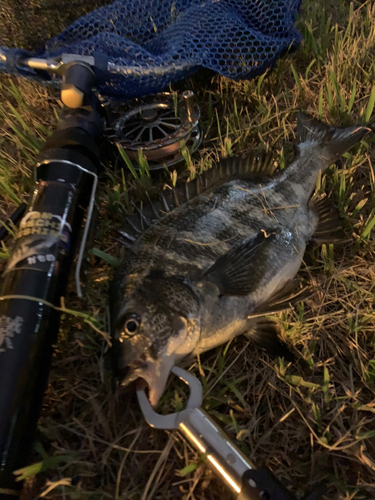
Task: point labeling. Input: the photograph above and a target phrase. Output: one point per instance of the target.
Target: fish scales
(189, 237)
(206, 271)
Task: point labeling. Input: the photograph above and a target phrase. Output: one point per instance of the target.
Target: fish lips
(138, 368)
(154, 373)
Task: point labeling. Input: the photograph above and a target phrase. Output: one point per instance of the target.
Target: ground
(305, 425)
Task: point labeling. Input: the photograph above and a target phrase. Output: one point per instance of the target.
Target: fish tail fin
(333, 141)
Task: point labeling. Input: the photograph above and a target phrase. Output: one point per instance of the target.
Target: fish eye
(132, 323)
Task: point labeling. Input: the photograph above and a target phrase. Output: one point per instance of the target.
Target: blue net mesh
(152, 43)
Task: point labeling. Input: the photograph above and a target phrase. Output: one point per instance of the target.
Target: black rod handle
(34, 281)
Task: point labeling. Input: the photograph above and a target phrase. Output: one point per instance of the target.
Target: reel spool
(156, 125)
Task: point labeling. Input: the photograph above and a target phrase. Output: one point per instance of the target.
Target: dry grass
(306, 425)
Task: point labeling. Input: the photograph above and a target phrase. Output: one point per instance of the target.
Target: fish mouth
(154, 373)
(139, 368)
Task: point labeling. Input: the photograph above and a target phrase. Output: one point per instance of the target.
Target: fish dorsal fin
(234, 168)
(252, 166)
(255, 165)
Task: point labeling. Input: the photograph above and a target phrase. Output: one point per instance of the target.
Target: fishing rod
(65, 181)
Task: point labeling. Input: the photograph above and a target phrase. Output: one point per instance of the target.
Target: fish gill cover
(157, 42)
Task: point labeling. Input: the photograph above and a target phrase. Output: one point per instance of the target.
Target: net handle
(18, 58)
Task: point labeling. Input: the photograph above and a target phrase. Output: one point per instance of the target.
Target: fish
(210, 260)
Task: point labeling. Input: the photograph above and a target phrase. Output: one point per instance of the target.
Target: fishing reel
(158, 125)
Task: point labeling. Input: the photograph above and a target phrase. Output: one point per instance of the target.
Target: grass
(305, 425)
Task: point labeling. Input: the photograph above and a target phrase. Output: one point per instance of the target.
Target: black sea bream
(211, 268)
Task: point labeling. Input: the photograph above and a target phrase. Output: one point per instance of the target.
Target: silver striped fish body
(180, 282)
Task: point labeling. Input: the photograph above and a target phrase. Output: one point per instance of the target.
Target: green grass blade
(19, 118)
(260, 81)
(366, 435)
(188, 469)
(329, 99)
(352, 97)
(104, 256)
(342, 190)
(348, 28)
(368, 228)
(127, 161)
(336, 86)
(309, 68)
(125, 188)
(9, 191)
(320, 104)
(370, 105)
(47, 463)
(296, 78)
(143, 165)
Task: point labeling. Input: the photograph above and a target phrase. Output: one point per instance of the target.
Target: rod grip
(30, 290)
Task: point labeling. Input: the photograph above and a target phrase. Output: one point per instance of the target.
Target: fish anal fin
(239, 271)
(266, 335)
(329, 228)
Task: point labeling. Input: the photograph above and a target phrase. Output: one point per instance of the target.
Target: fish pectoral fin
(290, 294)
(329, 228)
(265, 334)
(239, 271)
